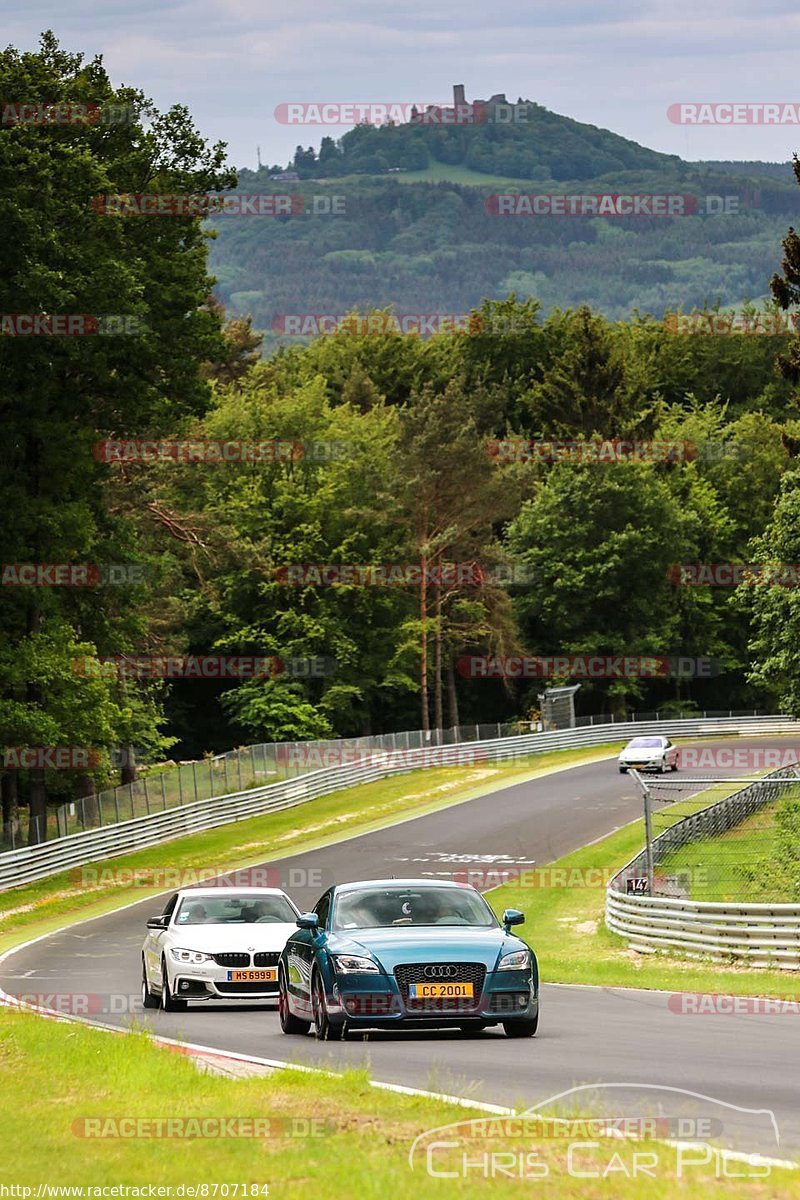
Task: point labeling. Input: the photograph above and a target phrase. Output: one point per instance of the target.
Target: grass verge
(755, 861)
(89, 891)
(564, 906)
(305, 1134)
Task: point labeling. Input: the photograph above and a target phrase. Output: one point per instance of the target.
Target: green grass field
(746, 863)
(83, 1107)
(71, 1092)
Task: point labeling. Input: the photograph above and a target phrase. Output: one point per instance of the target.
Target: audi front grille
(460, 972)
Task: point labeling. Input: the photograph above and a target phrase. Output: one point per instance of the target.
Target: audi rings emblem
(437, 972)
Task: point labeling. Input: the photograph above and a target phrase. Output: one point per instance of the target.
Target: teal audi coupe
(407, 953)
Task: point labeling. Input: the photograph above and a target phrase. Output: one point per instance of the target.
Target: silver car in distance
(649, 753)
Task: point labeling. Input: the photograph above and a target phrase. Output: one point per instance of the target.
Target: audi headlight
(353, 964)
(517, 960)
(191, 956)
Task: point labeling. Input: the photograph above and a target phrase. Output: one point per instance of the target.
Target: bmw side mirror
(159, 922)
(512, 916)
(307, 921)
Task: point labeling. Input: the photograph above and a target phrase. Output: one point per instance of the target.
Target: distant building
(462, 112)
(285, 175)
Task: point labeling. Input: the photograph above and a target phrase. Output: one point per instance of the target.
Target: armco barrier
(36, 862)
(761, 935)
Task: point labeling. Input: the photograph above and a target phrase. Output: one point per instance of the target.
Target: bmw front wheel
(168, 1001)
(149, 999)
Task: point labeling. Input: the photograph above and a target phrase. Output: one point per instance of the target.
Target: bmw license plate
(267, 975)
(427, 991)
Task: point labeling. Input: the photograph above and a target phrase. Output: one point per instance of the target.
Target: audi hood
(432, 944)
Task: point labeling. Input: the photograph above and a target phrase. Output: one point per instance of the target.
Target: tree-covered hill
(415, 227)
(434, 247)
(523, 140)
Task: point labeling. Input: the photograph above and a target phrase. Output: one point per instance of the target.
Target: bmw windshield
(235, 910)
(378, 908)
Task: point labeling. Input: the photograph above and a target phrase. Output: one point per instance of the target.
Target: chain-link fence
(724, 839)
(171, 785)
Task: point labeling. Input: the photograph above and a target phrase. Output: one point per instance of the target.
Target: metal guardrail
(37, 862)
(159, 787)
(763, 935)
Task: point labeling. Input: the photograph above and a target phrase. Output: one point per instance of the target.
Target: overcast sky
(618, 65)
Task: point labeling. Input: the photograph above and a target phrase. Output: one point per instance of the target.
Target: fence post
(163, 794)
(194, 777)
(146, 794)
(239, 768)
(648, 832)
(180, 786)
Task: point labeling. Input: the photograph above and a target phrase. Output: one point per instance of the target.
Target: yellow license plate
(426, 991)
(267, 975)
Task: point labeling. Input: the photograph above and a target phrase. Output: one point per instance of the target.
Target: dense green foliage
(432, 247)
(410, 226)
(397, 453)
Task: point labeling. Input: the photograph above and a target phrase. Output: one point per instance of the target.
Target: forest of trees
(393, 460)
(433, 247)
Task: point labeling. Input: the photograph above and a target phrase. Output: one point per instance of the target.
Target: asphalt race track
(586, 1035)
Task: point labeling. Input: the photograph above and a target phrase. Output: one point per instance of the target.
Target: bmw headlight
(191, 956)
(517, 960)
(353, 964)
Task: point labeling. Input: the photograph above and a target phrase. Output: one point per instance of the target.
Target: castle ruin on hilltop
(462, 112)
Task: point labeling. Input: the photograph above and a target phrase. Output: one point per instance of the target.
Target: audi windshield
(375, 908)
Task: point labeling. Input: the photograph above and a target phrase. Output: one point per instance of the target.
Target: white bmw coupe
(216, 944)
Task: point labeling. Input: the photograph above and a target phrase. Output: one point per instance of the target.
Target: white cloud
(615, 64)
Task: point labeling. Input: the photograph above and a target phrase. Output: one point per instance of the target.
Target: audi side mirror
(307, 921)
(512, 916)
